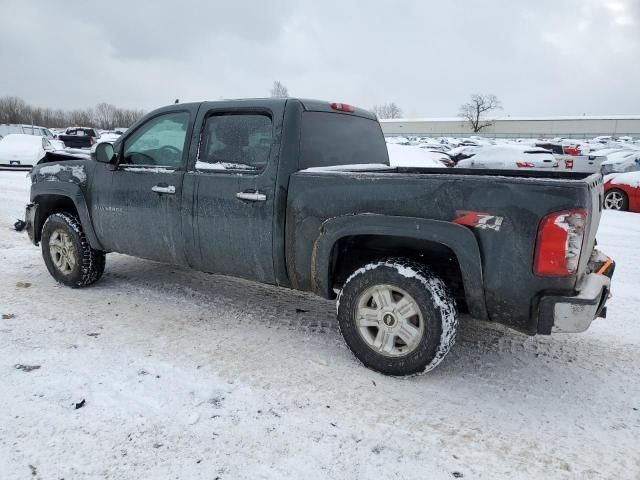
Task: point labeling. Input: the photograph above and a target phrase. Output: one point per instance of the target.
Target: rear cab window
(331, 139)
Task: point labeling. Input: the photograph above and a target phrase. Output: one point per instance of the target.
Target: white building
(505, 127)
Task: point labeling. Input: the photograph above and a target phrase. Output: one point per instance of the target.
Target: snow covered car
(510, 157)
(108, 137)
(19, 150)
(571, 156)
(620, 162)
(8, 129)
(622, 192)
(412, 156)
(462, 152)
(57, 144)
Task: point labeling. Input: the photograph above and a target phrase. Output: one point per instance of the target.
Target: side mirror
(105, 153)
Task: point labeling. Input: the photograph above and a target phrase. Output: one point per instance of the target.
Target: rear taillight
(343, 107)
(524, 165)
(559, 243)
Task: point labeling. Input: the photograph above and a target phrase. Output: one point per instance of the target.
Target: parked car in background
(57, 144)
(579, 160)
(462, 152)
(79, 137)
(19, 150)
(412, 156)
(599, 155)
(510, 157)
(555, 148)
(443, 157)
(620, 162)
(570, 156)
(622, 191)
(109, 136)
(7, 129)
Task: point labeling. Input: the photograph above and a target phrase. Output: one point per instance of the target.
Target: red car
(622, 192)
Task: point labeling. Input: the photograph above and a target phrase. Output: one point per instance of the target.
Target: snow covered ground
(187, 375)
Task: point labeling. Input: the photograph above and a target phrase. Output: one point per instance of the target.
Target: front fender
(456, 237)
(44, 191)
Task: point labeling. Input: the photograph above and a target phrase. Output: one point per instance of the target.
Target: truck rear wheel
(67, 253)
(397, 317)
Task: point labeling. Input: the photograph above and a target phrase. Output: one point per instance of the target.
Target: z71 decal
(483, 221)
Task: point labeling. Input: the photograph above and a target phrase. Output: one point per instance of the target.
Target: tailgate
(594, 207)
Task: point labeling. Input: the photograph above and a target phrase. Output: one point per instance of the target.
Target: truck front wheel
(67, 253)
(397, 317)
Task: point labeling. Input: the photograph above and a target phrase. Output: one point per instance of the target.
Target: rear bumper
(564, 314)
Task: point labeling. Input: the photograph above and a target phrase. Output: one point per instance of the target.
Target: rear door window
(330, 139)
(236, 141)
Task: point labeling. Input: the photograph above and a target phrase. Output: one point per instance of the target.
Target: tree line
(107, 116)
(104, 115)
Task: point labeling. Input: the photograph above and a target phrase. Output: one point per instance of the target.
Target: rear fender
(456, 237)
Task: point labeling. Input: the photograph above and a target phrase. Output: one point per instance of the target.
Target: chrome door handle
(170, 189)
(252, 196)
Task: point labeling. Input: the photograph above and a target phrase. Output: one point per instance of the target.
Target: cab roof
(310, 105)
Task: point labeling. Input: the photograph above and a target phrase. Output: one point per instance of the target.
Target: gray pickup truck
(300, 194)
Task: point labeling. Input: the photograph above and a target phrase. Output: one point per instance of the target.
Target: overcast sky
(540, 57)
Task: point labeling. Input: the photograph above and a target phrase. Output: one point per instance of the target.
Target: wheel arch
(369, 237)
(67, 198)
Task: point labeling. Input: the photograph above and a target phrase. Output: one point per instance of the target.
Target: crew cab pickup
(300, 194)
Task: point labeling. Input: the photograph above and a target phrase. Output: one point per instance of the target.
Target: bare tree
(387, 110)
(105, 115)
(126, 118)
(476, 110)
(83, 118)
(279, 90)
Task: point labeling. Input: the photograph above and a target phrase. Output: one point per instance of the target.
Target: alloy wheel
(62, 251)
(389, 320)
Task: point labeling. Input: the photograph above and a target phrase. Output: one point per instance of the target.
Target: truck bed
(516, 200)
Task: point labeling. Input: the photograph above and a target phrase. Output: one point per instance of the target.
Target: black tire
(428, 292)
(622, 204)
(88, 263)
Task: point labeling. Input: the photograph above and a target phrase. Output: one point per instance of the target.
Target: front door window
(159, 142)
